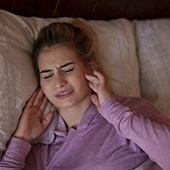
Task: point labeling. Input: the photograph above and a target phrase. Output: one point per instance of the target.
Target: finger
(31, 99)
(39, 98)
(47, 119)
(40, 107)
(93, 87)
(99, 76)
(43, 104)
(92, 79)
(95, 100)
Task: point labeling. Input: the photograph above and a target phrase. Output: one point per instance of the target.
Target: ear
(92, 65)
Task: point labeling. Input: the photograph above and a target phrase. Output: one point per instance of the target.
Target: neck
(73, 115)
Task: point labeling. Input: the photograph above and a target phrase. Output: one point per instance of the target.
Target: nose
(60, 81)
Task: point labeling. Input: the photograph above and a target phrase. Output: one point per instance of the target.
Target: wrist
(22, 137)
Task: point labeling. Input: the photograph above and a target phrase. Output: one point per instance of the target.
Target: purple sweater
(127, 133)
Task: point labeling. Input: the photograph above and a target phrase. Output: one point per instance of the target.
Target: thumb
(47, 119)
(95, 100)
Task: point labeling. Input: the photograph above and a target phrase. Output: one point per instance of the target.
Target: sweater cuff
(17, 149)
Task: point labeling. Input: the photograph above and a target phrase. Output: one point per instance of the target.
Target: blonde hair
(75, 36)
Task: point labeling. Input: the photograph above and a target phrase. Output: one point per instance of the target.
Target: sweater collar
(57, 130)
(89, 116)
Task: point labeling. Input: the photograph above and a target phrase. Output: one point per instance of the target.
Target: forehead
(58, 55)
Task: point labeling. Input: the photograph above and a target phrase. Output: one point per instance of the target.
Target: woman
(93, 129)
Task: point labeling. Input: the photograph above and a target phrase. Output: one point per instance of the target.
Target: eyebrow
(62, 66)
(67, 64)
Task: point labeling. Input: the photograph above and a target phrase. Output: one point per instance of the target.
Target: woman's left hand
(98, 84)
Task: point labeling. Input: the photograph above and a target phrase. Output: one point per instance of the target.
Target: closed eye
(46, 77)
(69, 70)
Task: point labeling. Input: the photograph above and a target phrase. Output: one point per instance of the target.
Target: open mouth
(64, 94)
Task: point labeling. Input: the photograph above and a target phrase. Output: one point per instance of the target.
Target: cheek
(83, 82)
(80, 78)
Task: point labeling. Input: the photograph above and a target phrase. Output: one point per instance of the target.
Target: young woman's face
(62, 77)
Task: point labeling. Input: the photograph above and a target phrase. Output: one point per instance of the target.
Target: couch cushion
(153, 43)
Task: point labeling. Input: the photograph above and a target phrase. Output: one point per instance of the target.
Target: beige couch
(134, 54)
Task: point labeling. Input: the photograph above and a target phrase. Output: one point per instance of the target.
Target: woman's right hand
(32, 123)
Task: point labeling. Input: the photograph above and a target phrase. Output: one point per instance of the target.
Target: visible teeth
(64, 93)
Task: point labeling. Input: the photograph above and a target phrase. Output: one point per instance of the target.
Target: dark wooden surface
(89, 9)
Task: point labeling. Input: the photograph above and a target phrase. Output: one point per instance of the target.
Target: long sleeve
(144, 125)
(15, 154)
